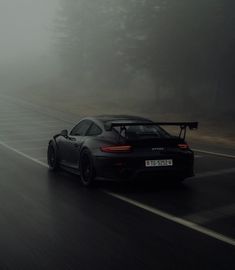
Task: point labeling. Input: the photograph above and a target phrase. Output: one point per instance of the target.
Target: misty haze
(145, 72)
(163, 59)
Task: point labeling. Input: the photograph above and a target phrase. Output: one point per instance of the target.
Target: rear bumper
(116, 168)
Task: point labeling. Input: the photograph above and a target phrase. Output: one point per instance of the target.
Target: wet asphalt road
(49, 221)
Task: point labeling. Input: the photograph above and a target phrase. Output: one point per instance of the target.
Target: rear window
(132, 132)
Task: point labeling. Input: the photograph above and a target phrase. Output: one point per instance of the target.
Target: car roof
(103, 120)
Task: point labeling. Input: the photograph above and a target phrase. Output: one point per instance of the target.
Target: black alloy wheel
(87, 171)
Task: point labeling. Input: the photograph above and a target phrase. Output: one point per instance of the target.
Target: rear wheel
(52, 158)
(87, 170)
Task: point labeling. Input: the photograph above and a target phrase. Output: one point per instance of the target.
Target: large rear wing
(183, 125)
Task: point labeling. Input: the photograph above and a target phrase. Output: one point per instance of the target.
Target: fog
(26, 30)
(164, 59)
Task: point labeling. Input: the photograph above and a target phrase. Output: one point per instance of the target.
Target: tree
(183, 45)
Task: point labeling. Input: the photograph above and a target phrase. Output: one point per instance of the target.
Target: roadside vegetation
(164, 59)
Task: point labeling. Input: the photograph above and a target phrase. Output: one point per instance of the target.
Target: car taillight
(116, 149)
(183, 146)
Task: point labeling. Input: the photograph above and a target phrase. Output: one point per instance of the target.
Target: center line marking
(147, 208)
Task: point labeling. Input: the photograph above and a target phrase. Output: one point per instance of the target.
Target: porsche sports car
(119, 147)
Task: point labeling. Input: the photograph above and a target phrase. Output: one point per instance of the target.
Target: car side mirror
(64, 133)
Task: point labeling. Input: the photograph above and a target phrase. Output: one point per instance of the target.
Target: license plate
(159, 163)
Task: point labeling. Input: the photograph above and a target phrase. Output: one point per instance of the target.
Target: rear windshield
(132, 132)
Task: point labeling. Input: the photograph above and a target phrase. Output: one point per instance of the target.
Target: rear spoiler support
(183, 126)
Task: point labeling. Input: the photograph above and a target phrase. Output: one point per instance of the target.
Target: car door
(73, 143)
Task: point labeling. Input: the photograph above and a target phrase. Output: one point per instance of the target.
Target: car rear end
(144, 153)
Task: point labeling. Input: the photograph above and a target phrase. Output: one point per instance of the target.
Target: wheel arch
(54, 143)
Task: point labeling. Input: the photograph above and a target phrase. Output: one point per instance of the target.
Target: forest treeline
(183, 50)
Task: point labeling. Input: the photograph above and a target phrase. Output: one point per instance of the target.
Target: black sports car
(122, 147)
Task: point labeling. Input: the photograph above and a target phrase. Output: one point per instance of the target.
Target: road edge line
(23, 154)
(214, 153)
(175, 219)
(147, 208)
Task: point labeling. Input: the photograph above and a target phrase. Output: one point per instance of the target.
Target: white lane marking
(23, 154)
(214, 153)
(48, 112)
(214, 173)
(210, 215)
(43, 159)
(150, 209)
(153, 210)
(175, 219)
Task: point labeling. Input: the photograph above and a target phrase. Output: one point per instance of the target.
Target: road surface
(49, 221)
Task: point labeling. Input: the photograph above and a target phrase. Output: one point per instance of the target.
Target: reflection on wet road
(49, 221)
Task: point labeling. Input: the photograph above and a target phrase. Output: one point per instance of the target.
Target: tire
(87, 170)
(52, 158)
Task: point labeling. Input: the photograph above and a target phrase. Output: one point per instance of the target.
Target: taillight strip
(183, 146)
(116, 149)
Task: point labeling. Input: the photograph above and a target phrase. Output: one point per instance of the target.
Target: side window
(81, 128)
(94, 130)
